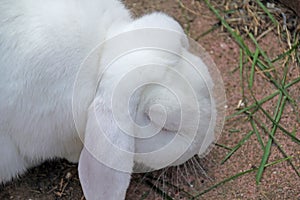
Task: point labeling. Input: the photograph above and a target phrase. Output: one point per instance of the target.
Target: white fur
(42, 44)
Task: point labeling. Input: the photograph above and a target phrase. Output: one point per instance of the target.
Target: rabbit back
(42, 44)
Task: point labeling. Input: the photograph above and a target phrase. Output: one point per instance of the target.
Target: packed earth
(59, 179)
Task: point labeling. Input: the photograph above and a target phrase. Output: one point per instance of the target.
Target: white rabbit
(43, 44)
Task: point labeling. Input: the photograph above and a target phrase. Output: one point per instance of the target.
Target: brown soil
(59, 180)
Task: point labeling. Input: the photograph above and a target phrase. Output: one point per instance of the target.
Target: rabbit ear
(105, 168)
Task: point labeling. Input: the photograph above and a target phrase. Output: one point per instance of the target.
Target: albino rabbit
(65, 92)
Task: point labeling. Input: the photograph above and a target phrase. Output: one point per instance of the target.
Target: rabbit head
(153, 107)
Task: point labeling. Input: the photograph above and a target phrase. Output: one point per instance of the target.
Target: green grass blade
(264, 100)
(158, 190)
(237, 176)
(251, 80)
(260, 49)
(285, 72)
(223, 146)
(262, 67)
(213, 28)
(257, 133)
(237, 37)
(241, 67)
(234, 149)
(287, 53)
(293, 137)
(281, 149)
(278, 114)
(244, 110)
(293, 82)
(274, 21)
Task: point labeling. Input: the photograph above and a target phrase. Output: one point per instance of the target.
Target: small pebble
(270, 5)
(69, 175)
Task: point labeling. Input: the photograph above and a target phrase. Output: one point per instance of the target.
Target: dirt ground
(59, 180)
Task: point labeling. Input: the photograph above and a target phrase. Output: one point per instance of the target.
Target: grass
(237, 176)
(260, 62)
(260, 65)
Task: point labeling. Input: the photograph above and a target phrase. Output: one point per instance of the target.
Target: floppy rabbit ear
(105, 168)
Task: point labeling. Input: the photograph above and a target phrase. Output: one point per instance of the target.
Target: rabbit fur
(42, 44)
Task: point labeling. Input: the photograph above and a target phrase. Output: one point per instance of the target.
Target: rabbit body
(42, 46)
